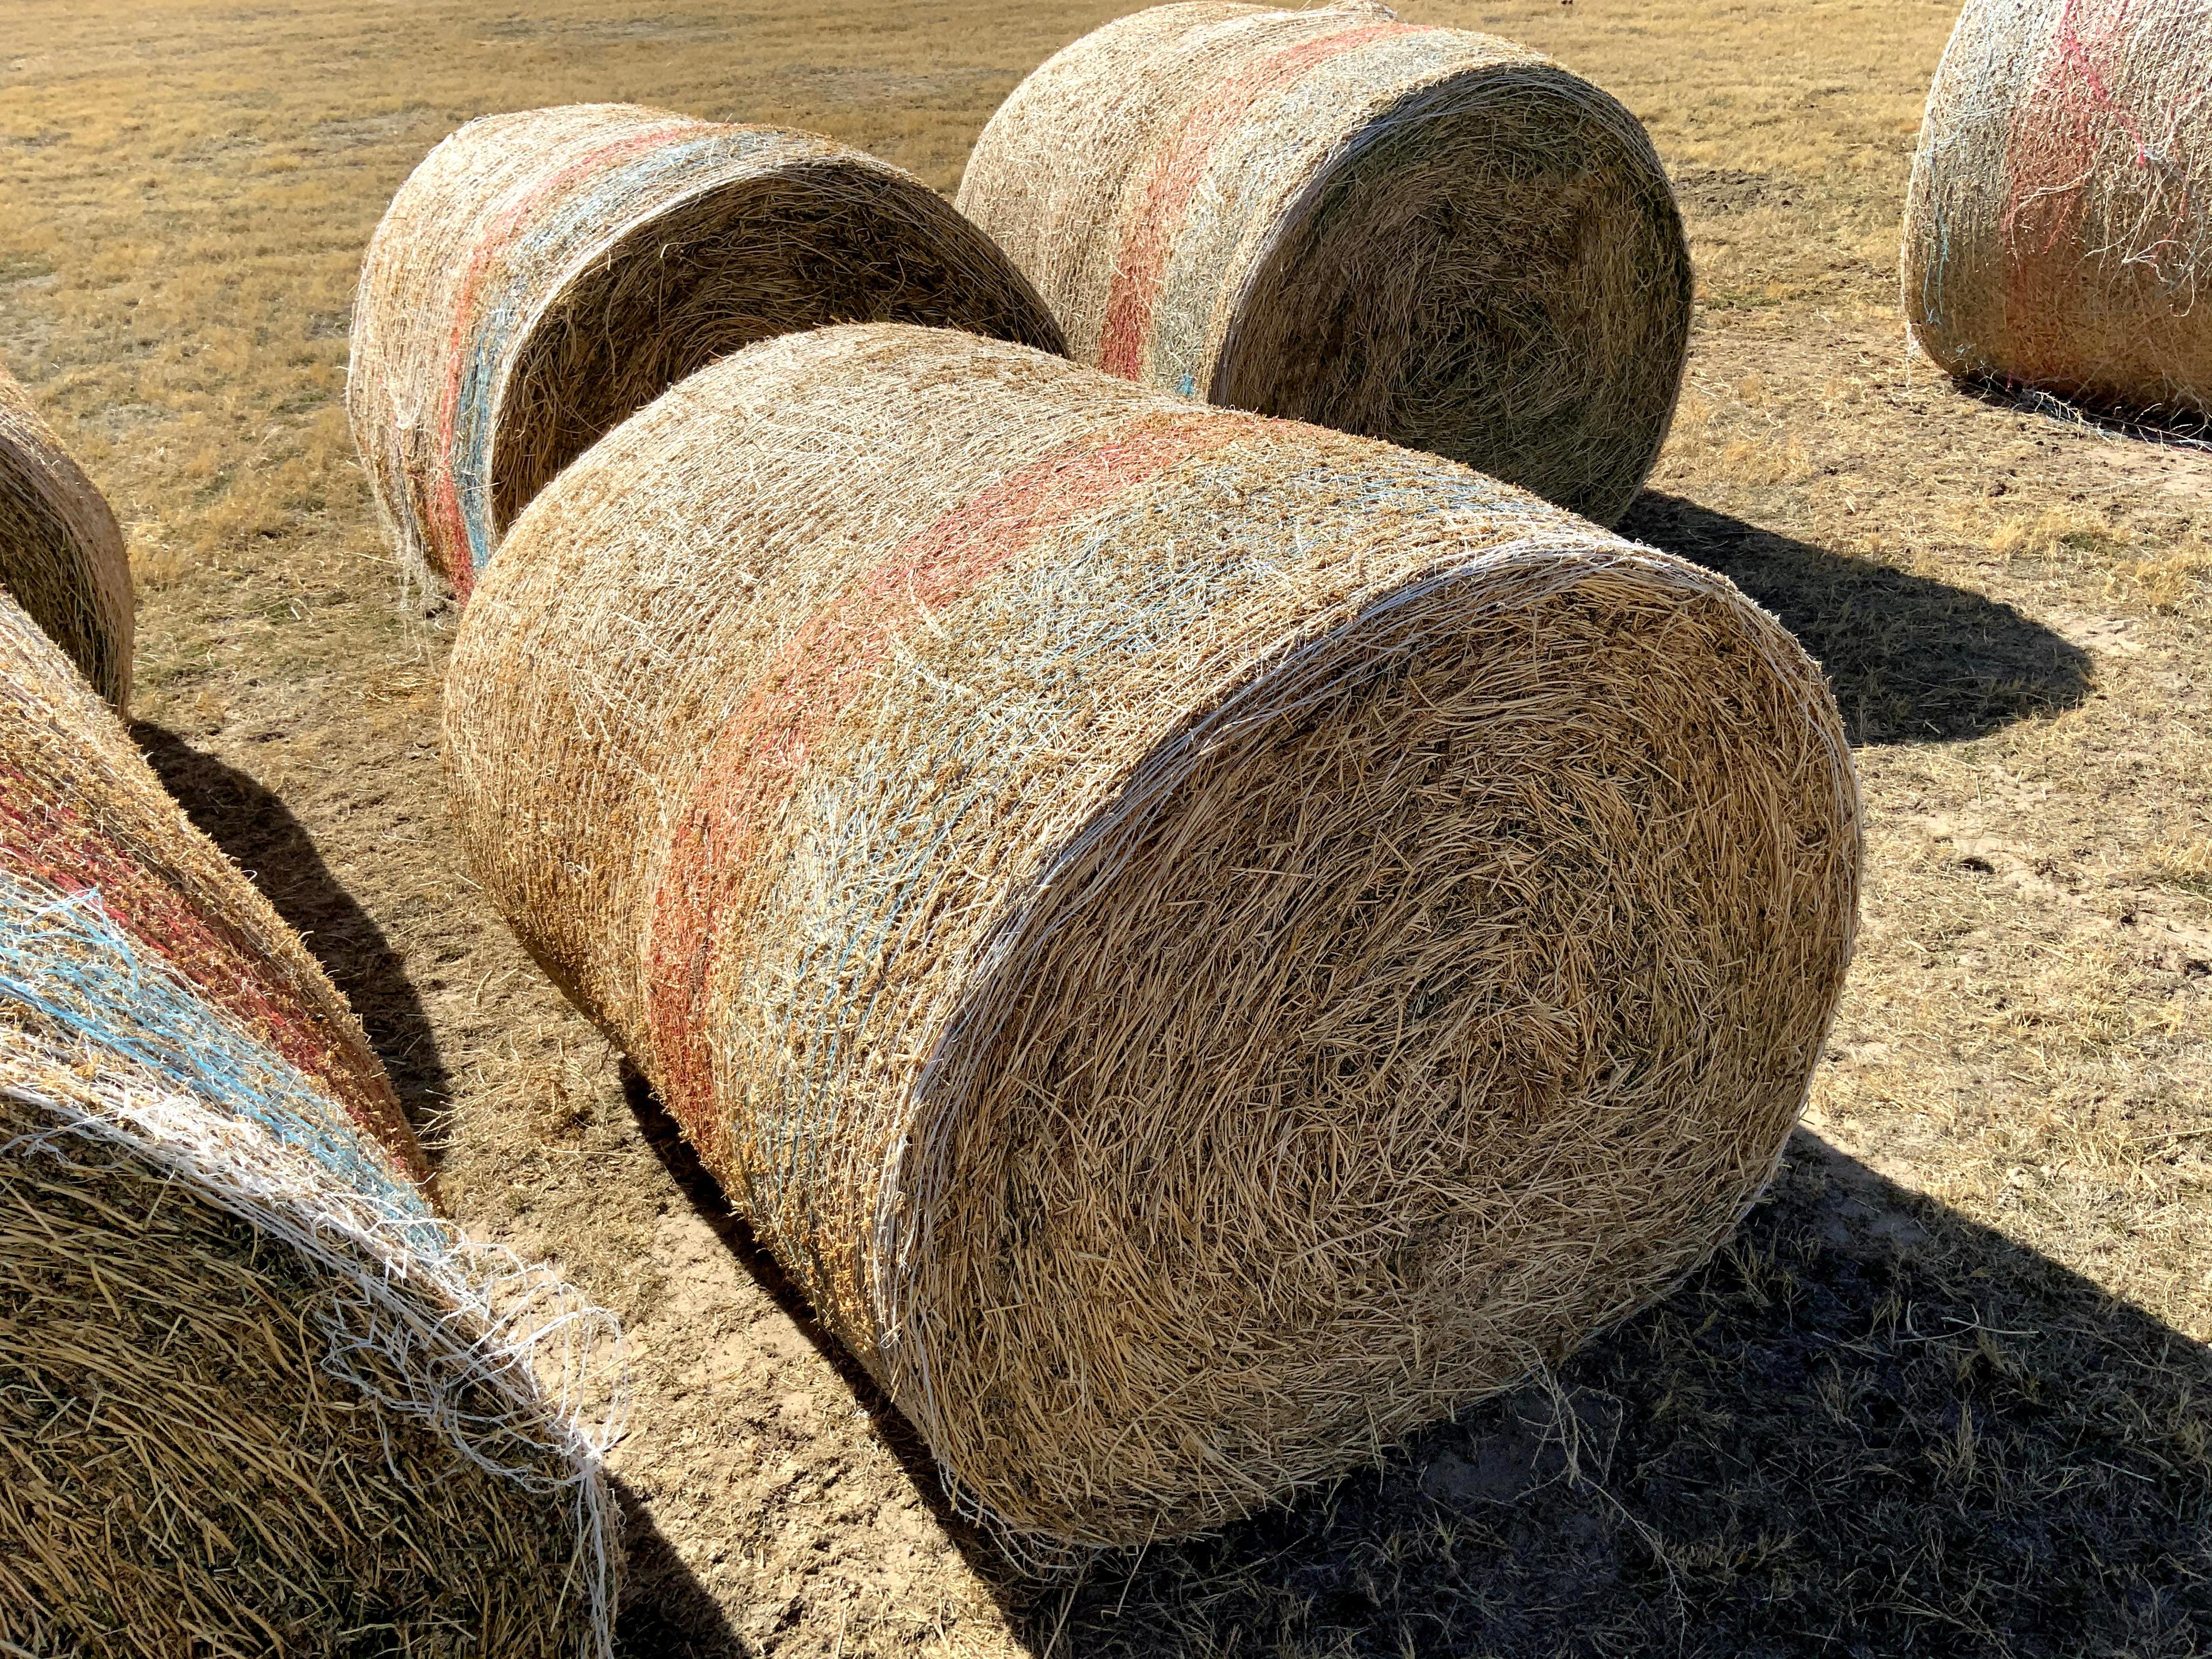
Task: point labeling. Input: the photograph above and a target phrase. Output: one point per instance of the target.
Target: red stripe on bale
(62, 848)
(460, 570)
(760, 755)
(2054, 143)
(1176, 172)
(2055, 221)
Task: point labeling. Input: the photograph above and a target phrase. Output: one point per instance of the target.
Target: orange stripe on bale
(460, 565)
(1177, 169)
(62, 848)
(759, 758)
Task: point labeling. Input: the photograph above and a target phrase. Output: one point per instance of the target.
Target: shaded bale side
(2058, 223)
(61, 551)
(254, 1394)
(543, 274)
(1202, 943)
(1415, 233)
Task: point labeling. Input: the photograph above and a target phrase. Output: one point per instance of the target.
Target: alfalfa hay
(61, 552)
(1202, 943)
(255, 1397)
(1416, 233)
(2058, 225)
(542, 274)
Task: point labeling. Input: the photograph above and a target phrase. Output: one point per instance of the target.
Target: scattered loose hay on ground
(1416, 233)
(2058, 224)
(543, 274)
(254, 1395)
(61, 552)
(1202, 943)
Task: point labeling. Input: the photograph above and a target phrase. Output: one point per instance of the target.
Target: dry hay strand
(2058, 224)
(1202, 943)
(255, 1397)
(1415, 233)
(542, 274)
(61, 552)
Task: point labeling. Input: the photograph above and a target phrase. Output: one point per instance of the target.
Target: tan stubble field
(1948, 1393)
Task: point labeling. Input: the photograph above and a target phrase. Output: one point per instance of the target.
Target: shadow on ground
(259, 832)
(1867, 1427)
(2179, 428)
(665, 1612)
(679, 1619)
(1911, 660)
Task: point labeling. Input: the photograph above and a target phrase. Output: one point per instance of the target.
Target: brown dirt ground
(1948, 1391)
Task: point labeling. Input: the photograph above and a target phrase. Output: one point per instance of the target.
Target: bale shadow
(1867, 1427)
(2177, 428)
(1911, 660)
(711, 1206)
(260, 833)
(665, 1612)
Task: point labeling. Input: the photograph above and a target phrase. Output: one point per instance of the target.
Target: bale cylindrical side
(61, 552)
(1415, 233)
(2058, 224)
(255, 1396)
(542, 274)
(1201, 942)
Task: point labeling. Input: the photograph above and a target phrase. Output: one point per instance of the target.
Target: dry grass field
(1948, 1393)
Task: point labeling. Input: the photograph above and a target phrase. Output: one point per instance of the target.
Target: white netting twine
(513, 1367)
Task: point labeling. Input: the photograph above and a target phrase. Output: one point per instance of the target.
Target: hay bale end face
(1415, 233)
(543, 274)
(254, 1394)
(61, 552)
(2058, 224)
(1203, 943)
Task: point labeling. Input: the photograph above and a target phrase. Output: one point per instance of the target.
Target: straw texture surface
(61, 553)
(2059, 227)
(254, 1395)
(1203, 943)
(542, 274)
(1416, 233)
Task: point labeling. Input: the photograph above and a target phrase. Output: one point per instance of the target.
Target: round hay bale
(542, 275)
(2058, 224)
(255, 1397)
(1415, 233)
(61, 552)
(1202, 943)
